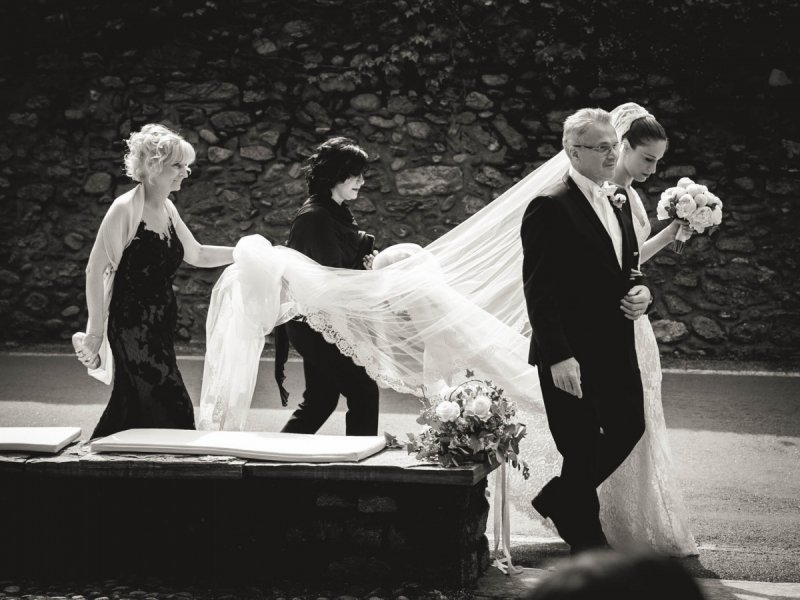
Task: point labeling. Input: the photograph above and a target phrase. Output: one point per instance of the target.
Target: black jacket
(327, 232)
(573, 283)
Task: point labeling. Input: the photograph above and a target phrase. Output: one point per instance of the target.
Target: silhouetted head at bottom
(601, 575)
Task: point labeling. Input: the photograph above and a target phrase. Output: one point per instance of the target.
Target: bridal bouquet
(691, 203)
(471, 422)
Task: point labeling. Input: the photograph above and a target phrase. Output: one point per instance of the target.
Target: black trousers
(594, 434)
(328, 374)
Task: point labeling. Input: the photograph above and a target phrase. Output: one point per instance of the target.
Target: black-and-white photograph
(399, 299)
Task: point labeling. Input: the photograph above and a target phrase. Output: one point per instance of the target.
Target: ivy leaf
(475, 443)
(391, 440)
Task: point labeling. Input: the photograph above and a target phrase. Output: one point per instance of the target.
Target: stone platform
(386, 518)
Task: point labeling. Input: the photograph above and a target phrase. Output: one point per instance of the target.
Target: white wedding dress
(641, 502)
(416, 324)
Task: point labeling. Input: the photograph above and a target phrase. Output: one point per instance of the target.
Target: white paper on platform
(37, 439)
(258, 445)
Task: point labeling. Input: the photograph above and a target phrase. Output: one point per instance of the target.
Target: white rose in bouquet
(685, 206)
(695, 189)
(716, 215)
(662, 209)
(684, 182)
(713, 200)
(480, 406)
(701, 218)
(673, 193)
(448, 411)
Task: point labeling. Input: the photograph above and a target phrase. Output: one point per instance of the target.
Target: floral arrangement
(618, 200)
(691, 203)
(471, 422)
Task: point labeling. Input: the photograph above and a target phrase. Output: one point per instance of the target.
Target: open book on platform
(258, 445)
(37, 439)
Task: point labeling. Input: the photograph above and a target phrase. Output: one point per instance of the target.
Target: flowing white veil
(415, 322)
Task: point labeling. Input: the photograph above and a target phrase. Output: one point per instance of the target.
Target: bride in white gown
(641, 502)
(418, 323)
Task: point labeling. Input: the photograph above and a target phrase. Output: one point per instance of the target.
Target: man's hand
(369, 258)
(636, 301)
(567, 376)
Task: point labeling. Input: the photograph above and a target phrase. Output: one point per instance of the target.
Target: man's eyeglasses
(601, 149)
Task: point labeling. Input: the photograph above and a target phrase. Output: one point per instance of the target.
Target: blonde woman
(139, 247)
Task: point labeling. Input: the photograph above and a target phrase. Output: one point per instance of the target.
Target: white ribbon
(502, 523)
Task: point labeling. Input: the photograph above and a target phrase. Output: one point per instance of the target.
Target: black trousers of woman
(328, 374)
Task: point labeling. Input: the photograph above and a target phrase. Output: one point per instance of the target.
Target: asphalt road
(735, 443)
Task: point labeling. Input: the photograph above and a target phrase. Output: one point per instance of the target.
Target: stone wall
(454, 102)
(218, 518)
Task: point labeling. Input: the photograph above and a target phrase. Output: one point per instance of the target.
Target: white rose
(695, 189)
(662, 208)
(700, 200)
(684, 182)
(685, 206)
(716, 215)
(480, 406)
(673, 192)
(701, 218)
(713, 200)
(448, 411)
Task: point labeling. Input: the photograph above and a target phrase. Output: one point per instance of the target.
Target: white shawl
(116, 232)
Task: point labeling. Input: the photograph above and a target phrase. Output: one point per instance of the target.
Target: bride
(640, 502)
(422, 316)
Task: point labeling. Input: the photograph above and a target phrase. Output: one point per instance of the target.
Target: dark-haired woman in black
(324, 230)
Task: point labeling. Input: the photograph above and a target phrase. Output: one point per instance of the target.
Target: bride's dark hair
(334, 161)
(645, 130)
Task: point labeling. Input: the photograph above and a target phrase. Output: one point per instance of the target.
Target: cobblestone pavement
(155, 590)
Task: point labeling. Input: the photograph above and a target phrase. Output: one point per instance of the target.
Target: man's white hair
(577, 123)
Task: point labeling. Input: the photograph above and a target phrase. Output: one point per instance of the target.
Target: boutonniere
(618, 200)
(608, 189)
(612, 194)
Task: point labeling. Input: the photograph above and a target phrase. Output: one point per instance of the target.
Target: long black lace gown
(148, 388)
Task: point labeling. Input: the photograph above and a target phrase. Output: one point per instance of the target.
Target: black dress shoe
(540, 504)
(549, 503)
(546, 501)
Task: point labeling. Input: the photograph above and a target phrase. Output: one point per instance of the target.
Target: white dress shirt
(603, 208)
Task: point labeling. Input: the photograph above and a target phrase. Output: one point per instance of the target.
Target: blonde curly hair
(153, 146)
